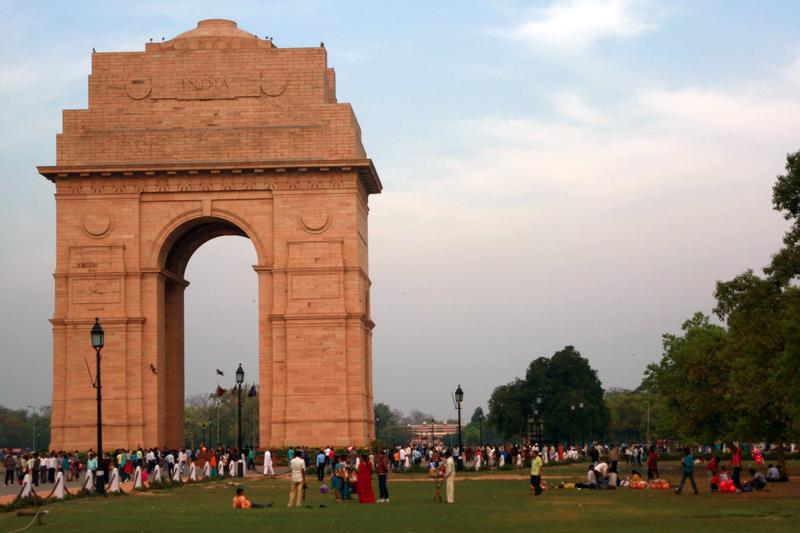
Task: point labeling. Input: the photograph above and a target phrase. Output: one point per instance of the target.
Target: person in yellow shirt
(536, 472)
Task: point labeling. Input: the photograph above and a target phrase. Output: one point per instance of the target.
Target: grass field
(491, 502)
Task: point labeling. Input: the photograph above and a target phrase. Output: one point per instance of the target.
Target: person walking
(383, 472)
(536, 472)
(688, 471)
(449, 477)
(268, 471)
(297, 467)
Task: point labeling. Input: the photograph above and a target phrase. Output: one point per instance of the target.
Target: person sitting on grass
(773, 474)
(240, 501)
(759, 482)
(778, 475)
(592, 480)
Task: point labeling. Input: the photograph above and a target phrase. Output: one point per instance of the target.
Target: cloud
(573, 107)
(754, 115)
(578, 24)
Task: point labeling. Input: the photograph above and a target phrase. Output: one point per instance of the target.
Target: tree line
(21, 428)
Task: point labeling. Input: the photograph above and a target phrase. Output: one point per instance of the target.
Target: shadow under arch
(178, 244)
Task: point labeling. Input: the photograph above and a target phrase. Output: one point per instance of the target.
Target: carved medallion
(273, 84)
(315, 220)
(138, 89)
(98, 224)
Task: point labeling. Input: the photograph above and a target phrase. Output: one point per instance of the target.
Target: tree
(562, 381)
(418, 417)
(219, 413)
(477, 415)
(507, 413)
(785, 264)
(17, 425)
(692, 377)
(627, 414)
(391, 424)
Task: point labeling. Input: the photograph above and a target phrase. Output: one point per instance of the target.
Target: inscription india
(193, 87)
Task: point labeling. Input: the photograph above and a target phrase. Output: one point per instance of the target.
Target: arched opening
(209, 327)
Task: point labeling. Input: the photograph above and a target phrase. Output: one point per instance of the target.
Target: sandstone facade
(215, 132)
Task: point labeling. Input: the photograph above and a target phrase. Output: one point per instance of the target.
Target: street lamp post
(459, 400)
(239, 382)
(98, 341)
(480, 429)
(204, 435)
(580, 425)
(377, 428)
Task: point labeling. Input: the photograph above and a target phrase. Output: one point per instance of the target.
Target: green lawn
(482, 504)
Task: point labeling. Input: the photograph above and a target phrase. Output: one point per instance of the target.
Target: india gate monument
(214, 132)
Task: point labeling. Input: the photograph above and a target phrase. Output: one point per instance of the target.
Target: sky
(560, 172)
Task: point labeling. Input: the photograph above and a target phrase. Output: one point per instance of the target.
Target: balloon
(323, 489)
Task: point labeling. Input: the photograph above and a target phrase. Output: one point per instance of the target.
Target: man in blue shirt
(688, 471)
(320, 465)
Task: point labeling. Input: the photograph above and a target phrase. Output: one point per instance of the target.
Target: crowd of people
(44, 467)
(349, 474)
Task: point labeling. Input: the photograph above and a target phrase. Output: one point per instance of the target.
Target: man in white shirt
(450, 477)
(592, 480)
(297, 466)
(181, 460)
(268, 471)
(170, 461)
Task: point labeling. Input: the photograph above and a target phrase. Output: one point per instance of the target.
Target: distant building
(436, 431)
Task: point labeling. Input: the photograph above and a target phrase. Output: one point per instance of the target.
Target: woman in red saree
(365, 492)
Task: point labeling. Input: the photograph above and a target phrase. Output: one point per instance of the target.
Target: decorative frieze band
(220, 177)
(211, 183)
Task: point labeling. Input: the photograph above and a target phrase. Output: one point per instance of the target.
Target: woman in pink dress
(365, 492)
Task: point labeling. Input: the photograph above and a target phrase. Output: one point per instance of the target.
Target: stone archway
(214, 132)
(174, 255)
